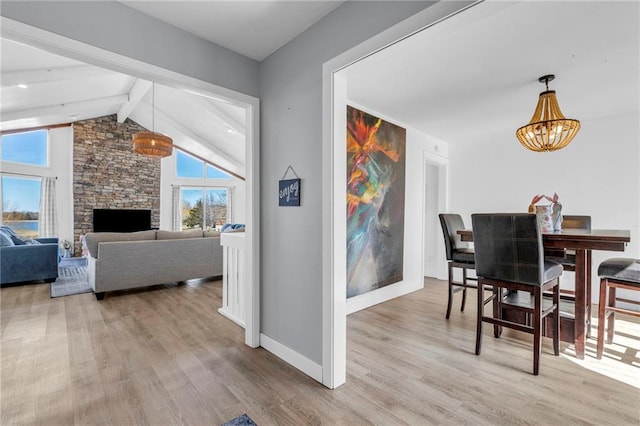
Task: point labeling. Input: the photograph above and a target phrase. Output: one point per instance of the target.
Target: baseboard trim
(292, 357)
(380, 295)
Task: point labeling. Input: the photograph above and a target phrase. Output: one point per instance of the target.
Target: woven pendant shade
(548, 129)
(152, 144)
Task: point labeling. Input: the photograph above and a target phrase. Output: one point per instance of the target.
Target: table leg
(580, 303)
(589, 317)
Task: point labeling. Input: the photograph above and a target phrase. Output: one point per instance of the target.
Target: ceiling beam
(224, 117)
(66, 108)
(53, 74)
(137, 92)
(161, 117)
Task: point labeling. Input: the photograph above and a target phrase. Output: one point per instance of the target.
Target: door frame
(90, 54)
(334, 88)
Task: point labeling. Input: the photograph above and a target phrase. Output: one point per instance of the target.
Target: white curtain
(176, 216)
(231, 204)
(48, 217)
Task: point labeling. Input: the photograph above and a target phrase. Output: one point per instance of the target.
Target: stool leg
(602, 304)
(450, 301)
(537, 329)
(611, 314)
(464, 289)
(480, 310)
(556, 319)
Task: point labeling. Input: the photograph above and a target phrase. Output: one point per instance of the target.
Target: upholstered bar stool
(509, 255)
(615, 273)
(459, 255)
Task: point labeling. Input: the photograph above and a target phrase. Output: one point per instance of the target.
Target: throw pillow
(8, 230)
(17, 241)
(32, 242)
(5, 239)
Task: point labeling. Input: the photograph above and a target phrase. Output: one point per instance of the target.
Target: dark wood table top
(580, 239)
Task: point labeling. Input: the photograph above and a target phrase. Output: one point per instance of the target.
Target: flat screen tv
(121, 220)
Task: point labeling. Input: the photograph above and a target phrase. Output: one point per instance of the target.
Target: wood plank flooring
(164, 356)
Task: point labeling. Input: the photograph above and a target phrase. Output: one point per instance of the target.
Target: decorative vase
(545, 217)
(556, 216)
(67, 253)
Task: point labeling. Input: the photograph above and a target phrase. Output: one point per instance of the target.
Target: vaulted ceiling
(39, 88)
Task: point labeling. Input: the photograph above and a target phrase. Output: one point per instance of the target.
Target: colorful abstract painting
(375, 202)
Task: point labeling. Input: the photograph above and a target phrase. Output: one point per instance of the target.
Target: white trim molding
(292, 357)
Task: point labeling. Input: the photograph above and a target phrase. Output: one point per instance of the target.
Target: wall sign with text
(289, 192)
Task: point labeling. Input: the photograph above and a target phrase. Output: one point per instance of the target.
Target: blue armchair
(20, 263)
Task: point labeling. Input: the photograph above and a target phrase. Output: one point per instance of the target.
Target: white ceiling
(475, 76)
(252, 28)
(62, 90)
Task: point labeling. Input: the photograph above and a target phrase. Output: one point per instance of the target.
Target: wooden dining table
(583, 241)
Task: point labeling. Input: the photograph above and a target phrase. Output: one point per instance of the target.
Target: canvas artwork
(375, 202)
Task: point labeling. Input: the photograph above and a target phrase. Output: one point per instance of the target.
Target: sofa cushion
(93, 239)
(178, 235)
(5, 239)
(211, 234)
(32, 242)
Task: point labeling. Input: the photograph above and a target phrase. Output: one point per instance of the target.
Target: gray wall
(120, 29)
(291, 134)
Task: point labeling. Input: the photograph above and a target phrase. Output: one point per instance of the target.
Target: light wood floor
(165, 356)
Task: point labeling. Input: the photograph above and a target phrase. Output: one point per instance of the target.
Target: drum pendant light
(152, 144)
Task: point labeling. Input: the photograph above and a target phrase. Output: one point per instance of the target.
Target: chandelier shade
(152, 144)
(548, 129)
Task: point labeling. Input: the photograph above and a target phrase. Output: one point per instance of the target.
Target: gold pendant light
(548, 129)
(152, 144)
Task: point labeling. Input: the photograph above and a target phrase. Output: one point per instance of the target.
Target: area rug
(242, 420)
(72, 277)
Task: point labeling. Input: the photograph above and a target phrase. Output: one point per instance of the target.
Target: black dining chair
(509, 256)
(459, 255)
(615, 273)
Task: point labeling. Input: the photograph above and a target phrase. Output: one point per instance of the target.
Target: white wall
(61, 158)
(598, 174)
(291, 102)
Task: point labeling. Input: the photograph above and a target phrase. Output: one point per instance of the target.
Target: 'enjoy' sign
(289, 192)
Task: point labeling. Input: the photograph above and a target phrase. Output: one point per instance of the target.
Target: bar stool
(615, 273)
(509, 255)
(459, 255)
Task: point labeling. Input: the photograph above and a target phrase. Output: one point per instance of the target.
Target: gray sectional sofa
(119, 261)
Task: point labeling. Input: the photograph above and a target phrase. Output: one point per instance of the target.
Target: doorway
(89, 54)
(435, 202)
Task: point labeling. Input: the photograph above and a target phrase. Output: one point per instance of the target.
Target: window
(204, 208)
(191, 167)
(21, 205)
(26, 148)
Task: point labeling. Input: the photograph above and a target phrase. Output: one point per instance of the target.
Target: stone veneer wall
(108, 174)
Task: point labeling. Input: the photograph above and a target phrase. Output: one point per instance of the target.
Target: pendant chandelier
(152, 144)
(548, 129)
